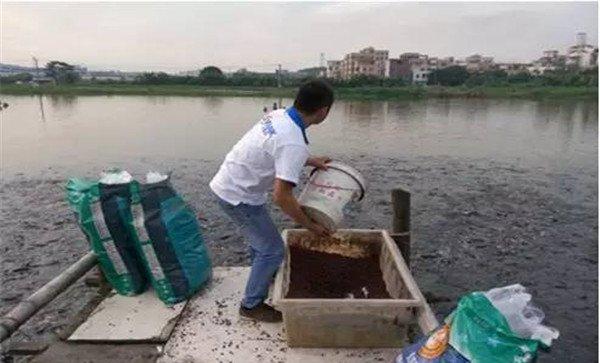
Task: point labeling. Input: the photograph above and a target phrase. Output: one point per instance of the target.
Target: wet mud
(476, 224)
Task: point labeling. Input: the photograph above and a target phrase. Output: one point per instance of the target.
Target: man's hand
(319, 230)
(319, 162)
(284, 198)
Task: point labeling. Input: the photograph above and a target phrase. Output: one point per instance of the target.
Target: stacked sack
(142, 233)
(497, 326)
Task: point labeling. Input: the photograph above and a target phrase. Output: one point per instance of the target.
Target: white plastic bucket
(328, 191)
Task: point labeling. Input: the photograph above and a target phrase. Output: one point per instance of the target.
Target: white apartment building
(368, 62)
(420, 73)
(582, 55)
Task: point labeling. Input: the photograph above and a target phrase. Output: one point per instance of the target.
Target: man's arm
(284, 198)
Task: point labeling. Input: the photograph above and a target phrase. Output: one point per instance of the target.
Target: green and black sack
(171, 243)
(103, 213)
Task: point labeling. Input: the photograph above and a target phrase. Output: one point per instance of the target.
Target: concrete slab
(210, 330)
(142, 318)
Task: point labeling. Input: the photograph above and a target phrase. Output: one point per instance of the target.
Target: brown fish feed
(320, 275)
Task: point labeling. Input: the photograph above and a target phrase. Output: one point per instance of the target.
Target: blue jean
(266, 248)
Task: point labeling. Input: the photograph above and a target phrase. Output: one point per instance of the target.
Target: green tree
(521, 77)
(489, 78)
(359, 81)
(245, 78)
(450, 76)
(211, 75)
(395, 82)
(62, 72)
(153, 78)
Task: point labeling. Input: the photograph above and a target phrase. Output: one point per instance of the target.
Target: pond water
(84, 132)
(503, 191)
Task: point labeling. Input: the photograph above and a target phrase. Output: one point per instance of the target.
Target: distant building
(579, 56)
(582, 55)
(310, 72)
(334, 69)
(397, 69)
(551, 55)
(109, 76)
(513, 68)
(415, 68)
(403, 66)
(42, 80)
(550, 61)
(80, 69)
(420, 73)
(413, 58)
(538, 68)
(439, 63)
(367, 62)
(477, 63)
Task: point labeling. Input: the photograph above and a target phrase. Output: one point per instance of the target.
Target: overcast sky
(187, 36)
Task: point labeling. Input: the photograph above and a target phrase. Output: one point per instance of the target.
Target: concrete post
(401, 222)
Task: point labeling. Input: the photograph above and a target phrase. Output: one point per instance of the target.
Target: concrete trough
(353, 323)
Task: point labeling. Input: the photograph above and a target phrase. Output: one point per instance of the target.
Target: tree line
(458, 76)
(449, 77)
(64, 73)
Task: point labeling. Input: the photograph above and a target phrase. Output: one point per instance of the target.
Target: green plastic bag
(114, 249)
(482, 334)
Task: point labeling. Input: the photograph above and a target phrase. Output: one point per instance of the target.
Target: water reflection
(364, 111)
(63, 102)
(158, 100)
(42, 113)
(441, 107)
(532, 132)
(589, 115)
(477, 110)
(572, 118)
(406, 111)
(212, 103)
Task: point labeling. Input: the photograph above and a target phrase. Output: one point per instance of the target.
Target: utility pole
(37, 68)
(279, 76)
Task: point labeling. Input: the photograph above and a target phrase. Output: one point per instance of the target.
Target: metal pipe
(26, 308)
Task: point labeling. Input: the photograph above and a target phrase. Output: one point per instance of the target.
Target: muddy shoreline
(476, 224)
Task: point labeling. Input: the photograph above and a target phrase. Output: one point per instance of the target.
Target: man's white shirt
(273, 148)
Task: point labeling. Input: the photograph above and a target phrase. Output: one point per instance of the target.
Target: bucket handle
(362, 190)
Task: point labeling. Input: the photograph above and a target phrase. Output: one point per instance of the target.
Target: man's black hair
(313, 95)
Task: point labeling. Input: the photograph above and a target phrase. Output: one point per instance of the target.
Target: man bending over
(271, 155)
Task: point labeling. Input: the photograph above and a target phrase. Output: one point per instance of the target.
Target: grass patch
(352, 93)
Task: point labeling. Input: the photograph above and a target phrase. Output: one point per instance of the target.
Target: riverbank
(349, 93)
